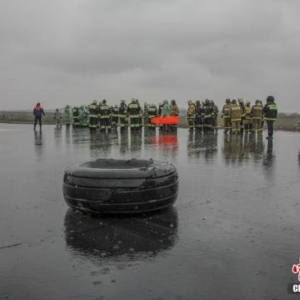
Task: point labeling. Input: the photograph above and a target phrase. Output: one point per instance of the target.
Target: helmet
(206, 100)
(190, 102)
(94, 101)
(247, 102)
(116, 105)
(104, 101)
(227, 100)
(173, 102)
(233, 101)
(257, 101)
(270, 99)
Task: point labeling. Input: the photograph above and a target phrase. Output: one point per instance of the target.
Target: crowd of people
(99, 115)
(237, 116)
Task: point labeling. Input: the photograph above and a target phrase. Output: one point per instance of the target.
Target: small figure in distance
(38, 113)
(57, 117)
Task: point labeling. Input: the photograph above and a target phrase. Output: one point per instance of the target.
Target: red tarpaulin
(170, 120)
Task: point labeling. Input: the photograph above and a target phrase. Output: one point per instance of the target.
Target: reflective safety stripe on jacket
(257, 112)
(270, 111)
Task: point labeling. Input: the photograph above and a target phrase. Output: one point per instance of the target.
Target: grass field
(25, 117)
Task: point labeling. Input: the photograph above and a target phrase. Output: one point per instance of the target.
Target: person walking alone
(38, 113)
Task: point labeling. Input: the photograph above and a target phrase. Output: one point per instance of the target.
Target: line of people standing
(239, 118)
(130, 115)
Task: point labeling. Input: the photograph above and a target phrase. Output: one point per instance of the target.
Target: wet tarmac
(232, 233)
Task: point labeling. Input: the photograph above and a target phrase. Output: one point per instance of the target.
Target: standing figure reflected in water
(248, 119)
(123, 115)
(57, 117)
(235, 114)
(134, 113)
(191, 115)
(257, 115)
(94, 115)
(151, 113)
(115, 117)
(270, 115)
(226, 116)
(165, 112)
(199, 115)
(38, 113)
(215, 114)
(68, 115)
(174, 111)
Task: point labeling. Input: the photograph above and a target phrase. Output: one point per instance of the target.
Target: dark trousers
(38, 120)
(270, 127)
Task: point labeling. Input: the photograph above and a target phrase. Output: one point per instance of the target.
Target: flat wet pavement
(232, 233)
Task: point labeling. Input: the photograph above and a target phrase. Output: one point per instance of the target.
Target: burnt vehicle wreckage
(118, 186)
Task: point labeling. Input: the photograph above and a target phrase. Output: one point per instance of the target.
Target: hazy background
(74, 51)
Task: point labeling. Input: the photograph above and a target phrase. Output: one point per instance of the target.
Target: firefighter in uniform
(123, 115)
(115, 117)
(191, 115)
(94, 115)
(247, 120)
(105, 115)
(199, 114)
(145, 115)
(225, 115)
(242, 105)
(235, 114)
(174, 111)
(134, 111)
(151, 113)
(257, 115)
(215, 113)
(208, 112)
(75, 112)
(270, 115)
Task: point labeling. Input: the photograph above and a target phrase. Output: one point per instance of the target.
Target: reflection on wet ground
(232, 234)
(121, 239)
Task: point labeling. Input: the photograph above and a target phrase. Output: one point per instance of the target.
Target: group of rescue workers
(238, 117)
(106, 118)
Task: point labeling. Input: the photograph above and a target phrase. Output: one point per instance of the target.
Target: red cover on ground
(171, 120)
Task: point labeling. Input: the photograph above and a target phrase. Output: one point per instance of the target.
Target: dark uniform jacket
(270, 111)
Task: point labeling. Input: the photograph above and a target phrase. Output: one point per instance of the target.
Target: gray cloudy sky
(73, 51)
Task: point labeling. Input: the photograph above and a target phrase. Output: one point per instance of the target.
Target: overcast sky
(73, 51)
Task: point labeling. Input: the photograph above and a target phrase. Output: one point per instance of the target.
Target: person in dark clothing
(38, 113)
(270, 115)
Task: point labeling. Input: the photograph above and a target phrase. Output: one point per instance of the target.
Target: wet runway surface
(232, 233)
